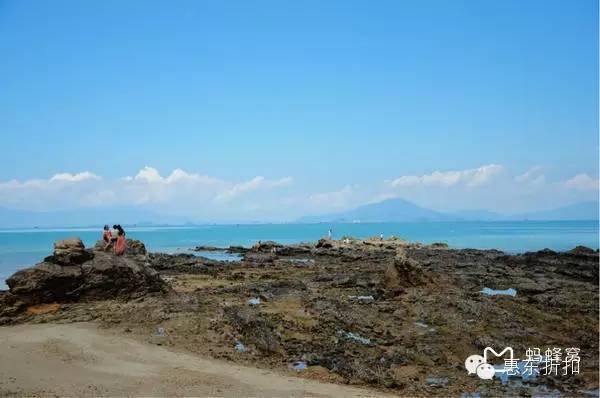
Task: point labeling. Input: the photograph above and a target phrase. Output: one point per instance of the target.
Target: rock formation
(403, 272)
(74, 273)
(69, 251)
(134, 247)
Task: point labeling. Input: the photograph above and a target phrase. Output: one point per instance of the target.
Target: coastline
(25, 246)
(393, 315)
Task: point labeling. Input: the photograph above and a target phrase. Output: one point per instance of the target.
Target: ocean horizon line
(259, 223)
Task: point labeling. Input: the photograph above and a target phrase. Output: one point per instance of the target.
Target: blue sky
(329, 104)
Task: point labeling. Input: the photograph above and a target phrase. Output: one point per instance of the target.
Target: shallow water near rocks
(254, 301)
(240, 347)
(362, 298)
(299, 366)
(436, 381)
(305, 261)
(218, 255)
(492, 292)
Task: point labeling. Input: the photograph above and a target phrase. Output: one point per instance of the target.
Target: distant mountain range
(388, 210)
(392, 210)
(400, 210)
(578, 211)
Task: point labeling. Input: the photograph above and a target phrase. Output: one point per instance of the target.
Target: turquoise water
(21, 248)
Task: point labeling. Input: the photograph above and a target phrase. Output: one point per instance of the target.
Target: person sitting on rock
(106, 234)
(110, 237)
(120, 244)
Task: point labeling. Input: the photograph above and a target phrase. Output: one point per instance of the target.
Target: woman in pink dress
(121, 244)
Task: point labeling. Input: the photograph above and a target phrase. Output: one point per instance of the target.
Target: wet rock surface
(424, 315)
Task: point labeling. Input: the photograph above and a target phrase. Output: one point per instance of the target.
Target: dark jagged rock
(46, 282)
(135, 247)
(266, 247)
(203, 248)
(237, 249)
(404, 272)
(182, 262)
(118, 276)
(324, 244)
(439, 245)
(10, 305)
(103, 275)
(276, 289)
(582, 250)
(253, 328)
(579, 263)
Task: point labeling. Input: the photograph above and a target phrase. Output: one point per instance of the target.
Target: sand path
(81, 360)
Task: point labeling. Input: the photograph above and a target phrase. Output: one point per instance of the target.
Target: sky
(271, 110)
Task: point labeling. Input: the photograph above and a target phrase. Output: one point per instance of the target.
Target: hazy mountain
(578, 211)
(386, 211)
(392, 210)
(399, 210)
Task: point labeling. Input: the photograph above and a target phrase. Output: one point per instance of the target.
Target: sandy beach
(82, 360)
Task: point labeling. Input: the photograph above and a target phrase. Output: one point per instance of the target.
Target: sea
(20, 248)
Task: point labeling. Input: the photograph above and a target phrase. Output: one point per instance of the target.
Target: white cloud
(150, 175)
(203, 197)
(469, 177)
(60, 191)
(533, 172)
(583, 182)
(252, 185)
(77, 177)
(533, 177)
(179, 191)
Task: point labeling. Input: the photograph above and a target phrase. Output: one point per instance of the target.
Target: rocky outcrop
(206, 248)
(583, 250)
(237, 249)
(277, 248)
(266, 246)
(253, 328)
(182, 262)
(324, 244)
(10, 305)
(70, 275)
(134, 247)
(259, 259)
(404, 272)
(46, 282)
(69, 251)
